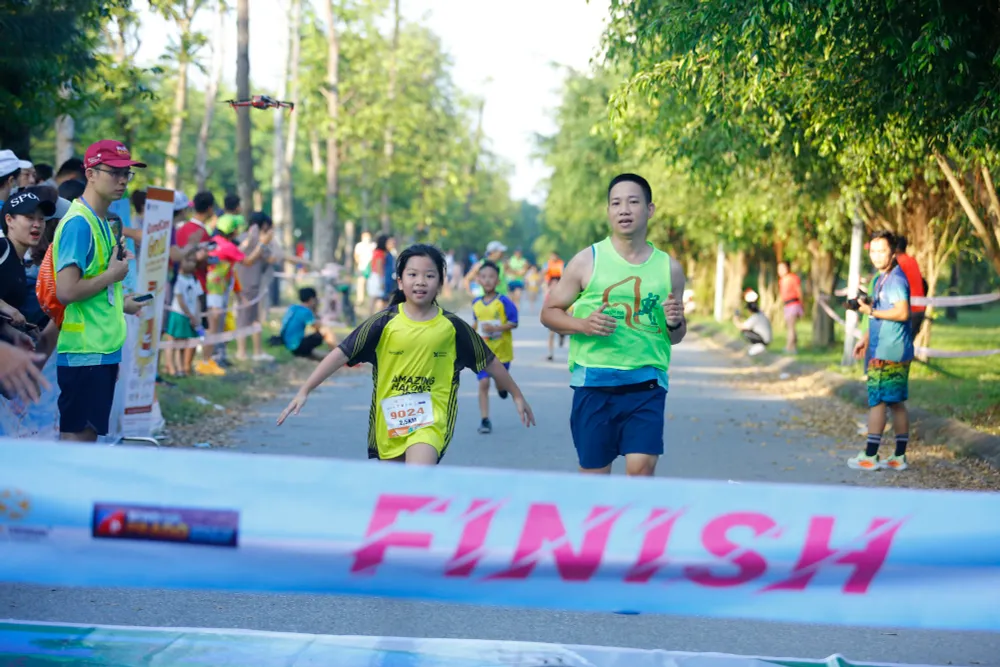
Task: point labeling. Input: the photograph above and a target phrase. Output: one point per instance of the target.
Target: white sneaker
(755, 349)
(263, 356)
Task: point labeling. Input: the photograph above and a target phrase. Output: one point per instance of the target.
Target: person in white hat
(494, 252)
(756, 328)
(10, 173)
(27, 177)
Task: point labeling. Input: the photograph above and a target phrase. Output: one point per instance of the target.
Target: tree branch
(991, 245)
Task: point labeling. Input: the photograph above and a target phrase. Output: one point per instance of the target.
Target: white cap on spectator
(24, 164)
(8, 162)
(181, 201)
(495, 246)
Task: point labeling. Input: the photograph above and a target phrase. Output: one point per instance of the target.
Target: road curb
(928, 427)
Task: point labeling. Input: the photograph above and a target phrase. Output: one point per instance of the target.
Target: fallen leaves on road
(822, 413)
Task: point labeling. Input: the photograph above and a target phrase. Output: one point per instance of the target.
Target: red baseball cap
(110, 152)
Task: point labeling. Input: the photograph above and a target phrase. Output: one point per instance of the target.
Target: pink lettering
(658, 527)
(477, 519)
(716, 541)
(866, 560)
(378, 538)
(544, 526)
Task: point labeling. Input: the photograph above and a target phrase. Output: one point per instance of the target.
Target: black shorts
(308, 345)
(86, 394)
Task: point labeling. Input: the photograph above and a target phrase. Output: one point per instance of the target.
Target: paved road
(713, 431)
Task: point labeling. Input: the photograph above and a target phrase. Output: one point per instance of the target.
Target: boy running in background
(495, 317)
(297, 319)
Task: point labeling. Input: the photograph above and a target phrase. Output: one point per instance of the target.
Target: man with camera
(887, 348)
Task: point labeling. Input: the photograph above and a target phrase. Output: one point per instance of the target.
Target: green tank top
(634, 294)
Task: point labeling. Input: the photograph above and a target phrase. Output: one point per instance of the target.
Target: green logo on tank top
(631, 312)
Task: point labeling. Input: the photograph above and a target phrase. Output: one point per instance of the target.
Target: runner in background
(553, 273)
(628, 313)
(363, 251)
(532, 284)
(417, 351)
(517, 266)
(495, 316)
(790, 293)
(915, 279)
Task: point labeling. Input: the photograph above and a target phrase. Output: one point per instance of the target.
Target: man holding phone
(89, 268)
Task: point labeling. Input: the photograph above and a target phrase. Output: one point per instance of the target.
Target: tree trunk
(278, 173)
(211, 95)
(244, 158)
(389, 146)
(366, 188)
(823, 274)
(287, 192)
(736, 271)
(65, 139)
(319, 228)
(170, 175)
(474, 163)
(327, 252)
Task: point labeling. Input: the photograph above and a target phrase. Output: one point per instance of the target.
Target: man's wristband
(679, 325)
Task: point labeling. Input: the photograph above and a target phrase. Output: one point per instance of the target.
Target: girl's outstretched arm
(330, 365)
(506, 383)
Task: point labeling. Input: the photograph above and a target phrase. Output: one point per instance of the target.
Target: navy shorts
(482, 375)
(85, 397)
(606, 425)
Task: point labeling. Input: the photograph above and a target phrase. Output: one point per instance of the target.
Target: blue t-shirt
(76, 248)
(293, 325)
(889, 341)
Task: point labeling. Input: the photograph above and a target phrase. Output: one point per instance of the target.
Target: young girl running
(417, 351)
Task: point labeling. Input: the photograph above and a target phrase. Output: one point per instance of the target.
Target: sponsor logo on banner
(734, 542)
(218, 528)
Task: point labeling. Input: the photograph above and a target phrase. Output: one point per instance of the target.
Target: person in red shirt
(918, 286)
(196, 230)
(790, 293)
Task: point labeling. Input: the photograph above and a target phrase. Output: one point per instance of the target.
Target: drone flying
(261, 102)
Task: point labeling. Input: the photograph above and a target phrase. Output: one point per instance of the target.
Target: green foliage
(51, 49)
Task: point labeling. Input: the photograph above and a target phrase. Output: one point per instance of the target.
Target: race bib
(407, 413)
(495, 334)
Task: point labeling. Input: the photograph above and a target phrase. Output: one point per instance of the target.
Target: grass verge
(191, 400)
(966, 389)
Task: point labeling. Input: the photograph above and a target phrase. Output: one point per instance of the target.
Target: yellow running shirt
(415, 369)
(497, 311)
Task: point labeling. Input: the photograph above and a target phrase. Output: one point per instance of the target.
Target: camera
(855, 304)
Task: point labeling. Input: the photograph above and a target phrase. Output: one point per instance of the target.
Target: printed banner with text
(138, 517)
(154, 259)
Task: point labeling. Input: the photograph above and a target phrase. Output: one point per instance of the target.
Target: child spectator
(297, 319)
(182, 319)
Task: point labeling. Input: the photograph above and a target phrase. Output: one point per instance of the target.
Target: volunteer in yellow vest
(627, 301)
(496, 317)
(88, 276)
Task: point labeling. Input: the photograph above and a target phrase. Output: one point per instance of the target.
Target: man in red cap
(89, 265)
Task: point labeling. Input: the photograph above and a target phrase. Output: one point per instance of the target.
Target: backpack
(45, 290)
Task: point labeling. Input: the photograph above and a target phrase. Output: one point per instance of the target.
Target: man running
(627, 313)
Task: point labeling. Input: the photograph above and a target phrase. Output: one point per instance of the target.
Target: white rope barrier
(919, 350)
(211, 339)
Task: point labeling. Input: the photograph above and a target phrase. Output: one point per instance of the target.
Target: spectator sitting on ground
(297, 319)
(756, 328)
